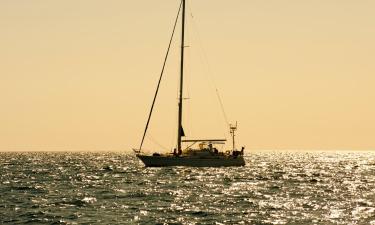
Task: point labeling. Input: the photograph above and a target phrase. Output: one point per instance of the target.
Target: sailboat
(198, 152)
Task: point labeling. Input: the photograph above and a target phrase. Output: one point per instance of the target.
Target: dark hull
(164, 161)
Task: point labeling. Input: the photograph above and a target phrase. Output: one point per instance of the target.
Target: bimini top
(205, 140)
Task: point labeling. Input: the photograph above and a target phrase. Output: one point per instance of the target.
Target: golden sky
(80, 75)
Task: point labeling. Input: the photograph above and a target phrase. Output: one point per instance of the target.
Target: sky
(80, 75)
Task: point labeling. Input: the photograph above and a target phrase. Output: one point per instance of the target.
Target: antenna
(233, 128)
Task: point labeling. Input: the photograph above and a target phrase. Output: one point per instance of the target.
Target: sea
(275, 187)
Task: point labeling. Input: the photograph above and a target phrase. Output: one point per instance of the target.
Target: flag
(182, 132)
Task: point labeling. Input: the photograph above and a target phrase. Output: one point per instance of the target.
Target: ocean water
(115, 188)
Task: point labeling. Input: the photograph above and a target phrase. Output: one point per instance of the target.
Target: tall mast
(179, 128)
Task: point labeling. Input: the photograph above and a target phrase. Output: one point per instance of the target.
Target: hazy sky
(80, 75)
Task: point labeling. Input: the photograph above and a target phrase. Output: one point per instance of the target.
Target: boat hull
(165, 161)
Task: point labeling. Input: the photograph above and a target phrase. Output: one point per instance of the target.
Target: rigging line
(161, 75)
(209, 69)
(156, 142)
(173, 132)
(222, 106)
(187, 79)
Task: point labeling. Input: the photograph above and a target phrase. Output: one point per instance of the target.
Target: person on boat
(236, 153)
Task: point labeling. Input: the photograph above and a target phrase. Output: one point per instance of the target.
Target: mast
(179, 128)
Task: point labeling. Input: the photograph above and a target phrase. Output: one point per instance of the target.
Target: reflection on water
(273, 188)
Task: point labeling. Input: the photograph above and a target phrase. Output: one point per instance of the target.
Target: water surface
(115, 188)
